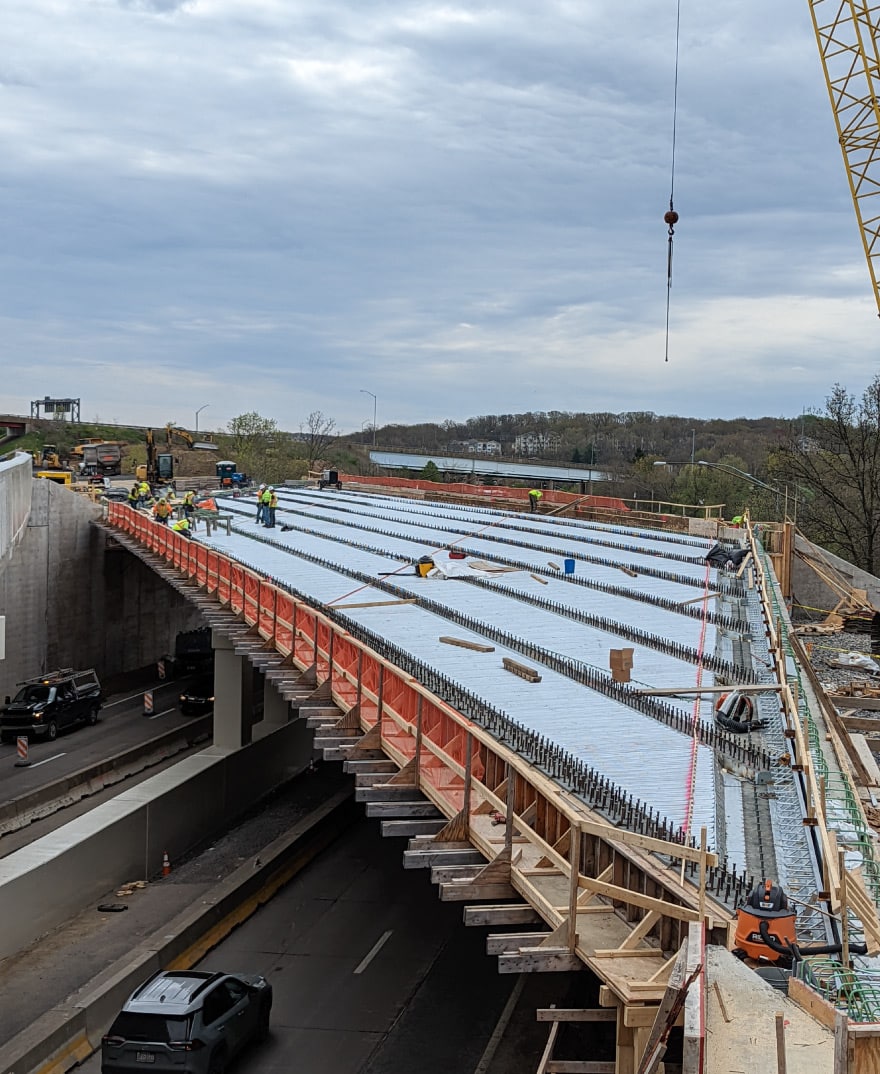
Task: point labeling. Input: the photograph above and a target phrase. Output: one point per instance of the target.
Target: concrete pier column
(233, 695)
(276, 711)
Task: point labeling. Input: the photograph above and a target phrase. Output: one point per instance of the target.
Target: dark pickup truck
(51, 703)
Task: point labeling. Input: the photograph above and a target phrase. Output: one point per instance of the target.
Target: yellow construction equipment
(848, 36)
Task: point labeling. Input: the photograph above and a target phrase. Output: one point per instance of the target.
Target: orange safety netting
(251, 597)
(266, 625)
(284, 615)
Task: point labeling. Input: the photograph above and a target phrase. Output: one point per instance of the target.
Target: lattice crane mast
(848, 36)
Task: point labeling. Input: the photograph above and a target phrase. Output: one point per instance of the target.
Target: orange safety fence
(488, 492)
(202, 565)
(356, 672)
(370, 675)
(224, 579)
(285, 607)
(251, 597)
(322, 650)
(213, 575)
(236, 587)
(266, 624)
(304, 635)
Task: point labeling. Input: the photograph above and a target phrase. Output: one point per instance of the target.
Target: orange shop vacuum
(765, 929)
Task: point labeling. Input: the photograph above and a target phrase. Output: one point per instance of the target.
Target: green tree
(251, 436)
(836, 472)
(430, 471)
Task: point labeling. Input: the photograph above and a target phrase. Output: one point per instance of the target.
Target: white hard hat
(262, 486)
(271, 488)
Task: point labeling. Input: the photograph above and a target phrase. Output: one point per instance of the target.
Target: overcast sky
(271, 205)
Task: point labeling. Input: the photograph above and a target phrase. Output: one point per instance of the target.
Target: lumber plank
(503, 914)
(860, 745)
(464, 643)
(523, 670)
(502, 943)
(848, 701)
(576, 1014)
(579, 1066)
(540, 960)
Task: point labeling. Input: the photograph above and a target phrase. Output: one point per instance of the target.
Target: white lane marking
(156, 715)
(501, 1026)
(46, 760)
(374, 950)
(134, 697)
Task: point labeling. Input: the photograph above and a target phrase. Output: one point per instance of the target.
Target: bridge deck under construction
(633, 589)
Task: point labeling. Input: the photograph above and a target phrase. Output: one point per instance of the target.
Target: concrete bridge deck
(602, 864)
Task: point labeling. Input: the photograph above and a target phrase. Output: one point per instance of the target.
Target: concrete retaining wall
(809, 589)
(124, 839)
(15, 498)
(71, 602)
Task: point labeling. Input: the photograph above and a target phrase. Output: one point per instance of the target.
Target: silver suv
(188, 1023)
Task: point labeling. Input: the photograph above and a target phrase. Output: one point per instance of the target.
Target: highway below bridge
(497, 758)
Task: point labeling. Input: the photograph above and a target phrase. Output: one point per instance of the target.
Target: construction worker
(189, 507)
(133, 495)
(265, 500)
(182, 527)
(534, 496)
(260, 509)
(270, 509)
(144, 493)
(162, 511)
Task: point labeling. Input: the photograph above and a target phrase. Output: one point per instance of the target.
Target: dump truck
(193, 653)
(101, 460)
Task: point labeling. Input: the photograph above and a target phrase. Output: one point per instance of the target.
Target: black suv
(187, 1023)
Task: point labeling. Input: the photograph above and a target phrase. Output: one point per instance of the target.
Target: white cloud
(273, 204)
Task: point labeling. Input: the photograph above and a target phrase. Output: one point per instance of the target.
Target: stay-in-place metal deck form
(629, 588)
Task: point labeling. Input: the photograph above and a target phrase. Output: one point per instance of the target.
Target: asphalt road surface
(372, 974)
(120, 726)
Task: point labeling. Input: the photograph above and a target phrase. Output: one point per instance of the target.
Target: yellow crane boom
(848, 36)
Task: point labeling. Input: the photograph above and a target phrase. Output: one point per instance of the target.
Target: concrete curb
(48, 799)
(70, 1032)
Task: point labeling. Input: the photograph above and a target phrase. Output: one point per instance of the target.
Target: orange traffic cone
(166, 864)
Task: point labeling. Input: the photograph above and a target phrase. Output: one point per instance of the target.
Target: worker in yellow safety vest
(534, 496)
(269, 512)
(144, 493)
(162, 511)
(182, 527)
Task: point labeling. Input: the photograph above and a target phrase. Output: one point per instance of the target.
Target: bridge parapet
(15, 498)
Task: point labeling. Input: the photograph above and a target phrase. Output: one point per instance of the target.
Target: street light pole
(201, 408)
(735, 470)
(366, 392)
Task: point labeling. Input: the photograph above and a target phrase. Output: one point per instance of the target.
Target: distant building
(537, 443)
(476, 447)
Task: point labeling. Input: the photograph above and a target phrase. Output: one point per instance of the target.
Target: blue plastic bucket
(569, 566)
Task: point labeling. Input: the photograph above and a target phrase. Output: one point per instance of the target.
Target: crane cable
(671, 216)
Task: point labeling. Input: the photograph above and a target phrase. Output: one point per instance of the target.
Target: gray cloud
(270, 205)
